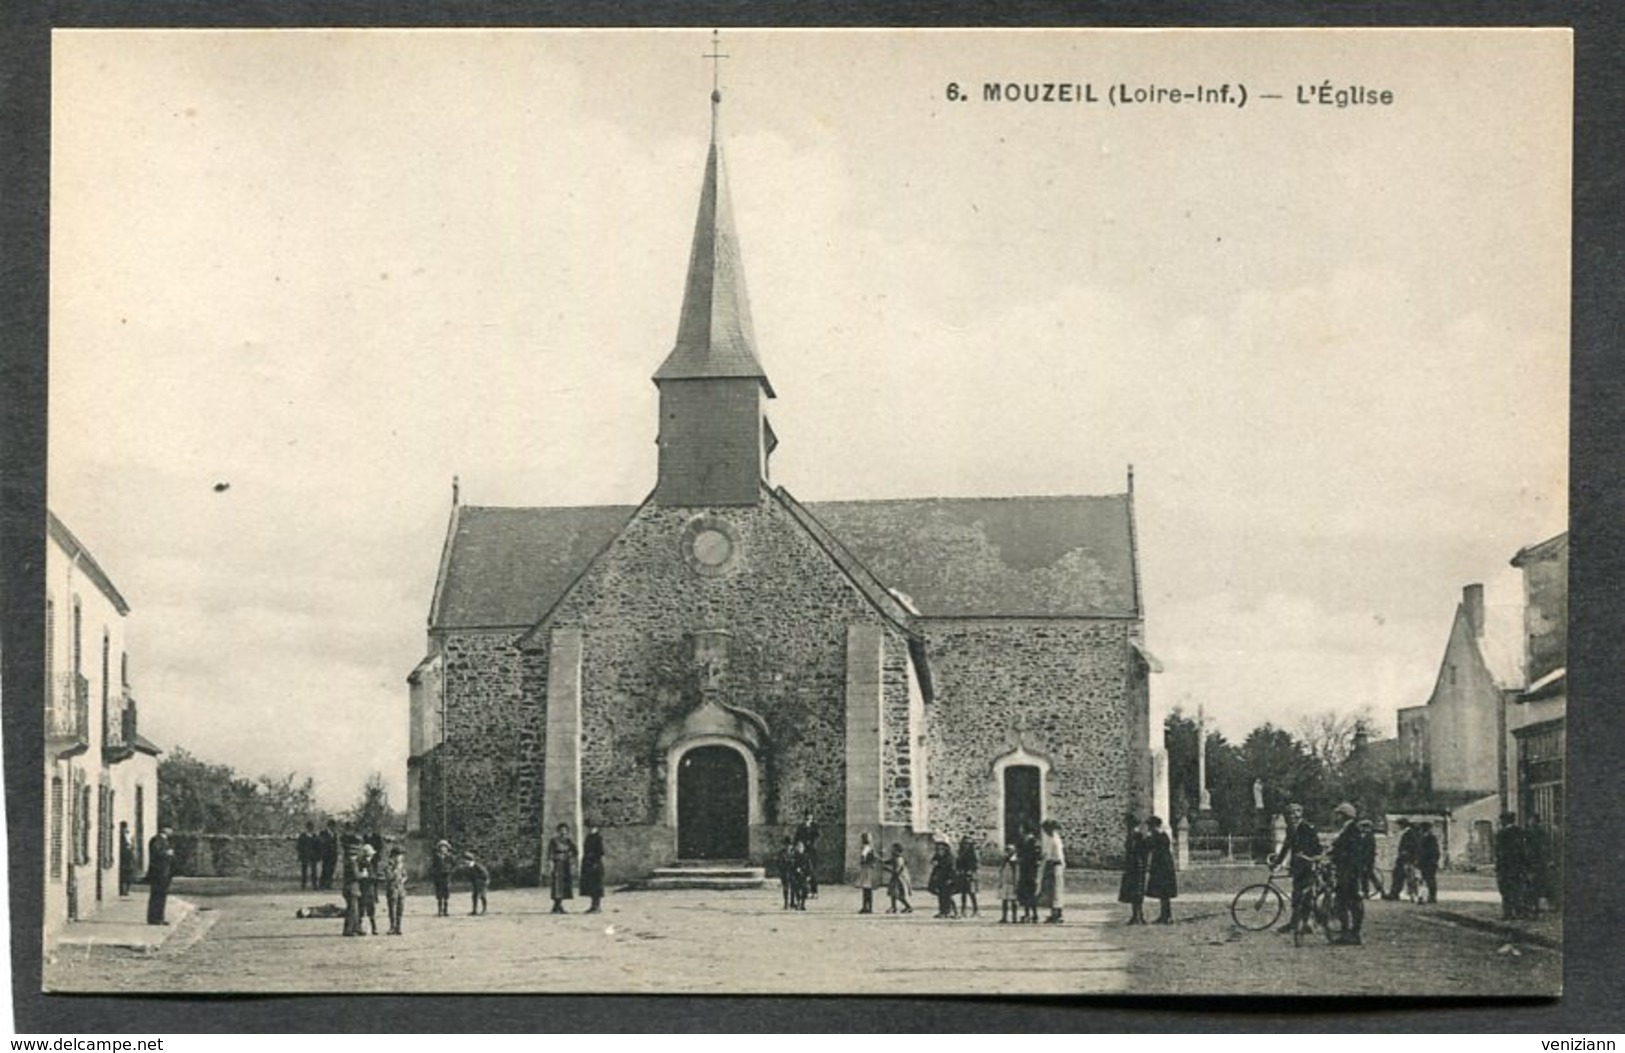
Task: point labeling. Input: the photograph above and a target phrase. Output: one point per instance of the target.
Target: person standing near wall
(898, 886)
(441, 867)
(941, 881)
(1511, 864)
(561, 858)
(479, 877)
(1029, 856)
(968, 865)
(309, 850)
(1053, 891)
(592, 868)
(1161, 882)
(126, 859)
(807, 836)
(868, 873)
(1009, 868)
(160, 871)
(1131, 887)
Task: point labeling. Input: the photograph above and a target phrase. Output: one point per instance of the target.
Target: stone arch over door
(712, 759)
(713, 797)
(1019, 792)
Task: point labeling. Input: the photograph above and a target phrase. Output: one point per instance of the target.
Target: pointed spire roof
(714, 334)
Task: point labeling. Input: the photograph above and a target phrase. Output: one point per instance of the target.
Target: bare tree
(1330, 735)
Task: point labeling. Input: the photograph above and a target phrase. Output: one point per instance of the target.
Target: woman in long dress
(592, 868)
(1160, 881)
(561, 856)
(1052, 893)
(1131, 889)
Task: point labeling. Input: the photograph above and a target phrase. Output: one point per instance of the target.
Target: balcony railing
(67, 719)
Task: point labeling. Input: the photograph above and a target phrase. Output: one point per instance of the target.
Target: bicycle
(1324, 905)
(1413, 883)
(1258, 906)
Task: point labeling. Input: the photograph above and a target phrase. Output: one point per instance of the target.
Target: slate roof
(997, 556)
(504, 567)
(950, 557)
(715, 337)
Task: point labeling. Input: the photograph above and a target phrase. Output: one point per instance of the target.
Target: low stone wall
(236, 855)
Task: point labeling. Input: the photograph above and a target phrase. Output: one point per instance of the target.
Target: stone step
(711, 877)
(718, 883)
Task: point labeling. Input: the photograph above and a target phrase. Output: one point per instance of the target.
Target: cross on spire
(716, 56)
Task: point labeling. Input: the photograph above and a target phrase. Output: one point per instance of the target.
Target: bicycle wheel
(1257, 907)
(1326, 912)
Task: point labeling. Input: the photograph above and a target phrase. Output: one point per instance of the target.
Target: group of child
(444, 866)
(953, 875)
(367, 873)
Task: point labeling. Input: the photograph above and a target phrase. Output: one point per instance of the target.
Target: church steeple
(714, 333)
(714, 437)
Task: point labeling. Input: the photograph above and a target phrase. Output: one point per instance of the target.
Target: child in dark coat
(478, 878)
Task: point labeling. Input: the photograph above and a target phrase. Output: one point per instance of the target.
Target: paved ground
(243, 940)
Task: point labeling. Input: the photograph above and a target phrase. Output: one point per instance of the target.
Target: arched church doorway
(1023, 800)
(713, 804)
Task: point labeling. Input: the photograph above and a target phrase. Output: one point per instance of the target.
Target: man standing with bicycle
(1348, 859)
(1302, 847)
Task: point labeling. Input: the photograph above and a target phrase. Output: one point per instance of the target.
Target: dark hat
(1402, 821)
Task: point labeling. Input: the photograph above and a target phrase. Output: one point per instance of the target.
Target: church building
(699, 673)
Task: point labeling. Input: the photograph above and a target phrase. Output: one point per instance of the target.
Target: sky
(333, 269)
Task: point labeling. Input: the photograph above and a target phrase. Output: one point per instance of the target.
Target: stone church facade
(699, 673)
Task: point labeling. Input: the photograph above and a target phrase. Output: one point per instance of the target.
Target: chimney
(1472, 600)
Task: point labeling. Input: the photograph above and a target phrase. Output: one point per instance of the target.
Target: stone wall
(237, 855)
(489, 766)
(1069, 691)
(787, 607)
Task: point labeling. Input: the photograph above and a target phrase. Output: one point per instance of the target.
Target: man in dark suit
(1300, 850)
(1511, 867)
(310, 858)
(1348, 857)
(1427, 860)
(160, 870)
(1404, 858)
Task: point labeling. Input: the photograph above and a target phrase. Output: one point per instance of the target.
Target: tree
(1232, 805)
(1286, 767)
(1330, 736)
(372, 811)
(198, 797)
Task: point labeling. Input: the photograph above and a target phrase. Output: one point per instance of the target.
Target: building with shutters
(99, 770)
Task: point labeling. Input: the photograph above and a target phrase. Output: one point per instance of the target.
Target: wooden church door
(713, 804)
(1023, 803)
